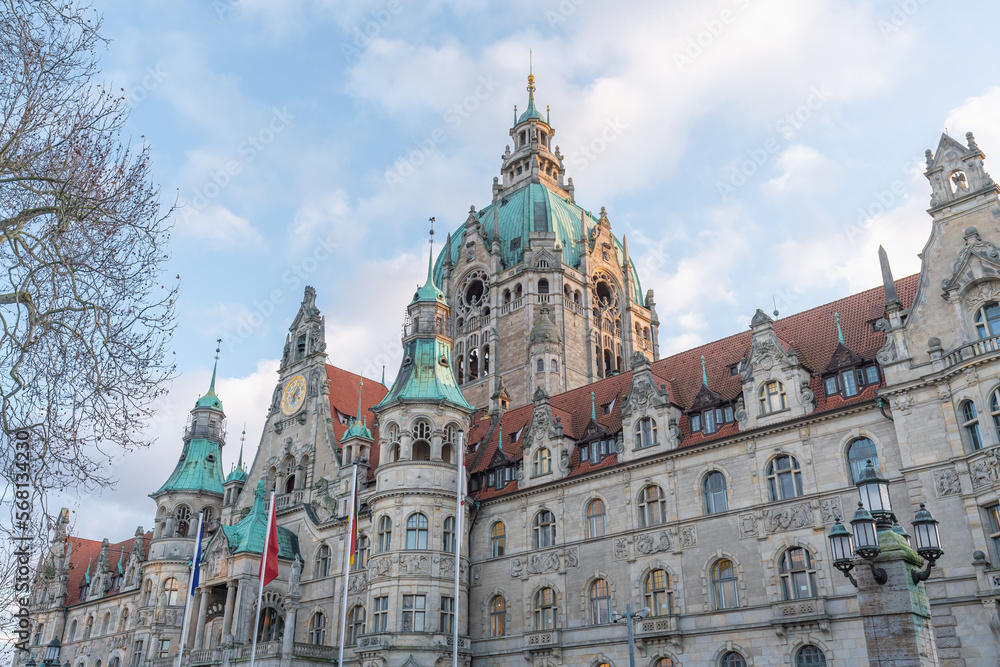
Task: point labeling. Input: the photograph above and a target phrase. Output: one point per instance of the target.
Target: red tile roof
(86, 551)
(344, 400)
(812, 335)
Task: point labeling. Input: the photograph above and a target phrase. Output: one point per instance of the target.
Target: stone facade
(702, 485)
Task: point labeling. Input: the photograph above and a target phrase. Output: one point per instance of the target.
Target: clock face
(294, 395)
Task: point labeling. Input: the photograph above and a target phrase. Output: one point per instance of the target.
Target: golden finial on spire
(531, 76)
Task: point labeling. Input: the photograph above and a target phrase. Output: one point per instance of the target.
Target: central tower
(542, 293)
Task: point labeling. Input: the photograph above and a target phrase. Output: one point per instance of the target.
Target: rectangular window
(830, 384)
(584, 453)
(492, 478)
(871, 374)
(414, 609)
(695, 423)
(447, 614)
(137, 653)
(709, 417)
(727, 414)
(381, 615)
(164, 649)
(595, 453)
(850, 383)
(994, 527)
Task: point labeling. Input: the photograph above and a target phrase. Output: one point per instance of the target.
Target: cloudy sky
(755, 152)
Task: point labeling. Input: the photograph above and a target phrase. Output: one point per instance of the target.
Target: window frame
(645, 433)
(775, 478)
(321, 563)
(317, 629)
(380, 614)
(733, 659)
(446, 615)
(793, 575)
(384, 534)
(717, 496)
(973, 434)
(596, 521)
(544, 609)
(983, 323)
(857, 464)
(647, 503)
(600, 602)
(992, 524)
(417, 529)
(498, 539)
(416, 615)
(802, 659)
(767, 397)
(498, 616)
(658, 594)
(541, 462)
(543, 529)
(448, 535)
(721, 583)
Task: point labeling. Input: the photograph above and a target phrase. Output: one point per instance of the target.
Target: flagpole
(260, 589)
(187, 602)
(347, 560)
(459, 520)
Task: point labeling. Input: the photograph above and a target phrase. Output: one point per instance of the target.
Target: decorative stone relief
(546, 561)
(621, 551)
(787, 518)
(830, 509)
(477, 575)
(359, 582)
(902, 404)
(946, 482)
(748, 526)
(543, 562)
(379, 567)
(516, 567)
(983, 293)
(944, 393)
(652, 543)
(986, 471)
(414, 564)
(687, 537)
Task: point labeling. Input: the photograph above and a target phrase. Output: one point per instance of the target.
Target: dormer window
(851, 381)
(988, 320)
(595, 451)
(711, 420)
(772, 398)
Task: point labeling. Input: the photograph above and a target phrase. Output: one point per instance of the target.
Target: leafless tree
(85, 312)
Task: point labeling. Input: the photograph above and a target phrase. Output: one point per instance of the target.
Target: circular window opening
(604, 292)
(474, 292)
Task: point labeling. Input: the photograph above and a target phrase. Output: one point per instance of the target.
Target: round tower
(413, 508)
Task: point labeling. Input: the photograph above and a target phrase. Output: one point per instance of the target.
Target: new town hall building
(701, 485)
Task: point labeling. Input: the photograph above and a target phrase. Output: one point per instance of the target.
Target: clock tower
(298, 446)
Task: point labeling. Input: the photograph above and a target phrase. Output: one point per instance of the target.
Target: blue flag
(196, 563)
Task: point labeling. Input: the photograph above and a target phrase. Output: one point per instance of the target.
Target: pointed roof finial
(840, 334)
(361, 388)
(774, 302)
(704, 375)
(243, 437)
(593, 407)
(500, 438)
(383, 375)
(210, 399)
(218, 349)
(429, 292)
(888, 283)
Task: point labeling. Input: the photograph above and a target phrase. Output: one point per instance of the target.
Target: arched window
(88, 628)
(732, 659)
(416, 531)
(784, 478)
(317, 629)
(421, 450)
(724, 584)
(541, 462)
(970, 424)
(540, 366)
(182, 517)
(995, 410)
(170, 587)
(554, 365)
(544, 530)
(147, 595)
(271, 626)
(545, 609)
(600, 602)
(652, 506)
(810, 656)
(384, 534)
(106, 623)
(595, 518)
(393, 452)
(988, 320)
(772, 397)
(498, 539)
(658, 592)
(123, 621)
(498, 616)
(798, 578)
(645, 433)
(716, 497)
(355, 625)
(543, 287)
(448, 543)
(361, 556)
(858, 453)
(322, 568)
(72, 631)
(664, 662)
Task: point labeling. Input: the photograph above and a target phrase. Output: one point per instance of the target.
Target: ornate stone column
(897, 614)
(288, 640)
(227, 618)
(199, 636)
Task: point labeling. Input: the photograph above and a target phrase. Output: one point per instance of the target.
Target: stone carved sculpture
(652, 543)
(379, 567)
(621, 549)
(986, 471)
(748, 525)
(830, 509)
(946, 482)
(787, 518)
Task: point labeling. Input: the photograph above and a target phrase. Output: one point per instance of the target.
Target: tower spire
(361, 388)
(840, 334)
(704, 375)
(593, 407)
(218, 348)
(243, 437)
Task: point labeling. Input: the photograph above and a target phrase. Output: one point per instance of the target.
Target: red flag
(269, 558)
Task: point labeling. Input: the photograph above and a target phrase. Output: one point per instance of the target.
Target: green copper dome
(535, 208)
(426, 374)
(358, 429)
(210, 400)
(430, 291)
(237, 475)
(199, 468)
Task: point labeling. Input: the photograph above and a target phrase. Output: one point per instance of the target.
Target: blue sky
(753, 151)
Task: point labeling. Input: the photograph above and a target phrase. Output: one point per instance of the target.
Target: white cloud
(322, 216)
(979, 116)
(805, 171)
(217, 226)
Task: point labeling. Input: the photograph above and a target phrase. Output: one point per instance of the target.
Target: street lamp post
(876, 539)
(629, 615)
(52, 653)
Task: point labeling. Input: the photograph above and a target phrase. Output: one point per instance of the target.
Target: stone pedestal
(896, 615)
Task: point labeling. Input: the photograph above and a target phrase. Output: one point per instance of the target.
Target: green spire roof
(531, 111)
(238, 474)
(429, 292)
(357, 428)
(426, 374)
(210, 400)
(247, 536)
(199, 468)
